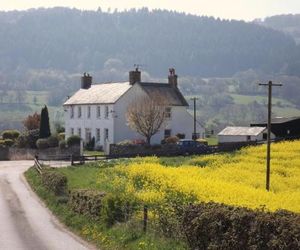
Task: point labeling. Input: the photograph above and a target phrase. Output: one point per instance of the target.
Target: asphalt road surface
(25, 223)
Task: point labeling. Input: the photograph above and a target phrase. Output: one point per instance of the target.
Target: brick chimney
(86, 81)
(172, 78)
(134, 76)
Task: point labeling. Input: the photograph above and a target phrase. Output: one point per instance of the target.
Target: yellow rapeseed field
(234, 179)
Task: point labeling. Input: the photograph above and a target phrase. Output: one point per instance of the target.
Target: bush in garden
(62, 144)
(73, 141)
(42, 144)
(28, 139)
(52, 141)
(90, 145)
(10, 134)
(9, 142)
(55, 181)
(171, 140)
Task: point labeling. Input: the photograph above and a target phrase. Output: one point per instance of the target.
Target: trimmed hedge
(73, 140)
(86, 201)
(218, 226)
(10, 134)
(62, 144)
(52, 141)
(55, 181)
(6, 142)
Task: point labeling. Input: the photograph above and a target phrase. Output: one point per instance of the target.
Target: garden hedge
(55, 181)
(85, 201)
(218, 226)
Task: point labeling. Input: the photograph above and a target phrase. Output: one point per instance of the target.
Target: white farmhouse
(99, 110)
(243, 134)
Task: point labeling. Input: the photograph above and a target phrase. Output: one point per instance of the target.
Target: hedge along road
(25, 223)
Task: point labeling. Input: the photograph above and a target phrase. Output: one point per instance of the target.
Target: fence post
(72, 160)
(145, 218)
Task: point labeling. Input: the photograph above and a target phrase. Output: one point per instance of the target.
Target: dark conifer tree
(44, 125)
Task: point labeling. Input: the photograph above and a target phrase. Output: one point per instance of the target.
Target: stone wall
(44, 154)
(143, 150)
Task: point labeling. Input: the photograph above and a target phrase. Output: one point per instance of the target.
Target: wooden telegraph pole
(195, 121)
(270, 85)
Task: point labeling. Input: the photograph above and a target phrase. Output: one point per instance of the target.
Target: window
(79, 112)
(72, 112)
(89, 112)
(106, 112)
(98, 112)
(72, 131)
(106, 134)
(265, 136)
(167, 133)
(248, 138)
(79, 132)
(168, 112)
(88, 135)
(98, 134)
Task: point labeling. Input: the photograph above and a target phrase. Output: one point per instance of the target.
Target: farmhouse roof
(109, 93)
(172, 94)
(106, 93)
(254, 131)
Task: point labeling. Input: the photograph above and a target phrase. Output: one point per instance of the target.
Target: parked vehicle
(193, 147)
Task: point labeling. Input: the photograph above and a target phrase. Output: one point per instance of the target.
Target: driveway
(25, 223)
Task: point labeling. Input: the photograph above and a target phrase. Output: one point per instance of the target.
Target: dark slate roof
(172, 94)
(279, 120)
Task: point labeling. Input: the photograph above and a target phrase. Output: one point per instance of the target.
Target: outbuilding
(243, 134)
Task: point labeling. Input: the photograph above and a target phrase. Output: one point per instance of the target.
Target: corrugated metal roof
(99, 94)
(242, 131)
(173, 95)
(278, 120)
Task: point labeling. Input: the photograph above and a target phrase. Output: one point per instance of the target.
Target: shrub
(219, 226)
(42, 144)
(10, 134)
(52, 141)
(171, 140)
(55, 181)
(62, 144)
(8, 142)
(2, 143)
(28, 139)
(85, 201)
(116, 208)
(73, 140)
(125, 143)
(90, 145)
(61, 136)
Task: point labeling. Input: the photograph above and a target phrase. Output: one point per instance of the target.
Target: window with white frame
(89, 112)
(79, 111)
(168, 112)
(72, 131)
(79, 132)
(106, 112)
(88, 135)
(106, 134)
(98, 112)
(98, 134)
(72, 112)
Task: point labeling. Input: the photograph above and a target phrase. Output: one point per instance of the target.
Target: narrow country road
(25, 223)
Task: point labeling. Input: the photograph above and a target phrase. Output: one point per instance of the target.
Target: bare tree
(147, 115)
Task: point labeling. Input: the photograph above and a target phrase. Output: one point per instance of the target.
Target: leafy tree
(44, 125)
(146, 115)
(32, 121)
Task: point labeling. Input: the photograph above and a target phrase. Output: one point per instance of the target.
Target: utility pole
(195, 132)
(270, 85)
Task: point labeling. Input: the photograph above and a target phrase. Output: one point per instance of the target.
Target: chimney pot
(86, 81)
(134, 76)
(173, 78)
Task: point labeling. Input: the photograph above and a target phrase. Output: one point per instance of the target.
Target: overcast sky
(229, 9)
